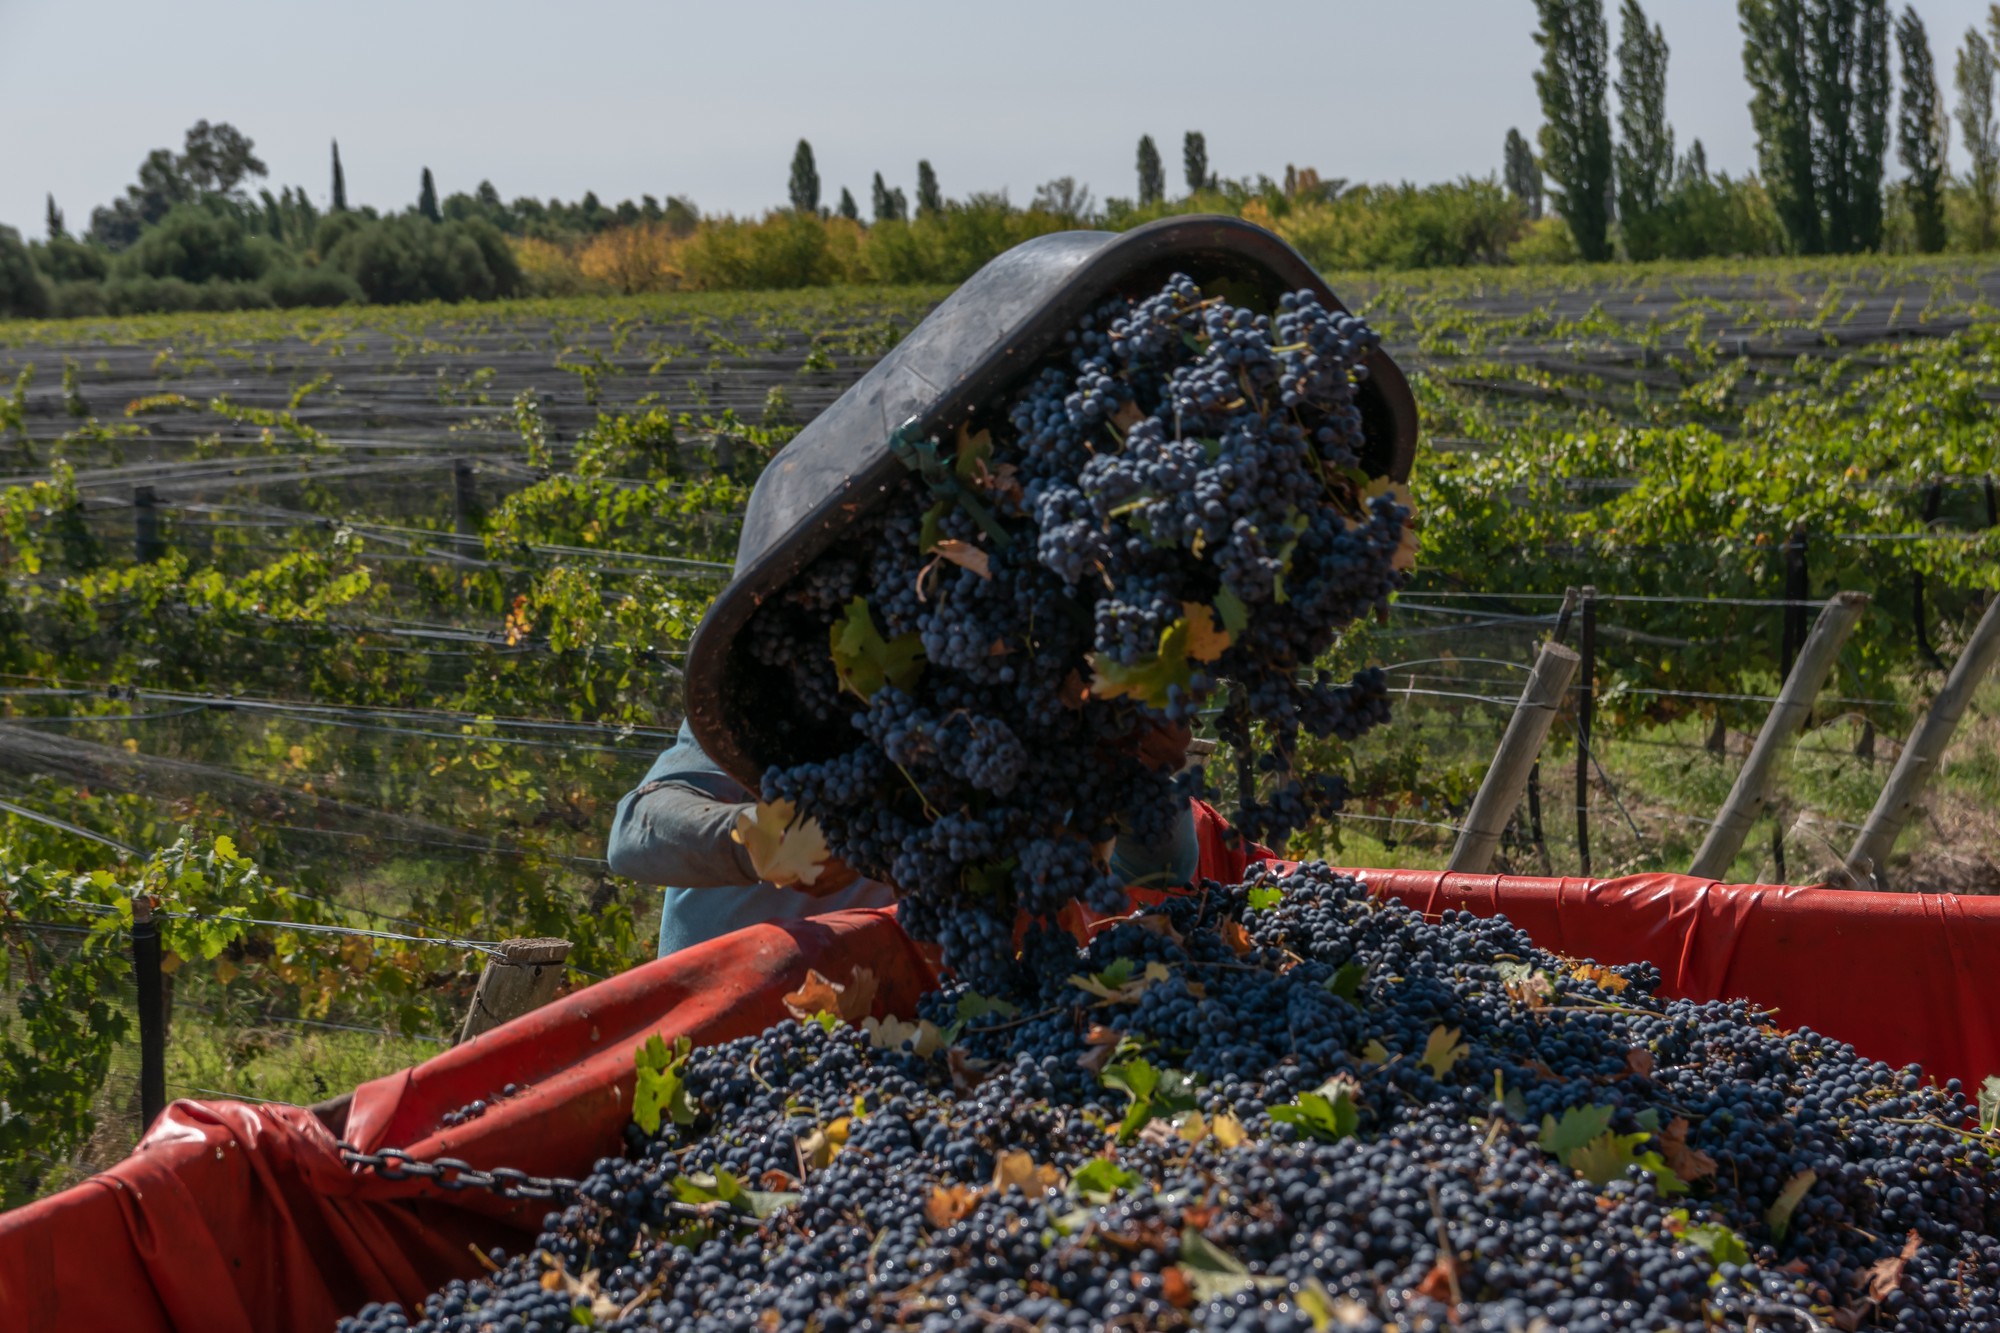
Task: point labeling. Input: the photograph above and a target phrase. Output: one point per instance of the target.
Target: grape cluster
(1171, 507)
(1355, 1120)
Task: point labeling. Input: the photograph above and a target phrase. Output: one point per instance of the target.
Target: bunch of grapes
(1167, 521)
(1279, 1106)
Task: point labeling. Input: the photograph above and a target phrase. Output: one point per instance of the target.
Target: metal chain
(450, 1173)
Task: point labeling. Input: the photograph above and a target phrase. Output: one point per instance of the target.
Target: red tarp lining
(242, 1219)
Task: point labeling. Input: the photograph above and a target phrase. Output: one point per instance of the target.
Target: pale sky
(707, 99)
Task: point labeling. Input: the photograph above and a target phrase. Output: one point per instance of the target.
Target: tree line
(1822, 98)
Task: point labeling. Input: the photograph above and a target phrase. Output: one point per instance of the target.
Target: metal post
(1586, 710)
(1535, 829)
(1751, 794)
(523, 977)
(146, 545)
(1923, 755)
(464, 499)
(1500, 794)
(147, 979)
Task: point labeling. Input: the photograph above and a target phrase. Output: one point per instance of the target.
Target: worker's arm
(674, 828)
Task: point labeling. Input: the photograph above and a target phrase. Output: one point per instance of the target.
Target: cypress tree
(929, 200)
(1524, 174)
(1152, 176)
(55, 221)
(1923, 137)
(848, 209)
(427, 198)
(1194, 160)
(339, 181)
(1576, 133)
(1645, 153)
(805, 179)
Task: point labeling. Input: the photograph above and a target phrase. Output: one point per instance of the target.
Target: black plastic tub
(969, 353)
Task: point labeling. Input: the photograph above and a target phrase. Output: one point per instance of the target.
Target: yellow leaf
(1018, 1169)
(1228, 1130)
(1602, 977)
(131, 746)
(784, 849)
(948, 1203)
(1443, 1050)
(887, 1034)
(1374, 1053)
(823, 1143)
(966, 556)
(296, 756)
(226, 971)
(1206, 640)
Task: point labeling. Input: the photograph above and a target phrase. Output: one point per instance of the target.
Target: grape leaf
(1346, 982)
(820, 995)
(1234, 614)
(865, 661)
(1779, 1215)
(1154, 1093)
(1264, 897)
(1328, 1311)
(1578, 1126)
(1604, 1158)
(1101, 1179)
(1019, 1170)
(1443, 1050)
(659, 1090)
(1885, 1275)
(784, 849)
(1374, 1053)
(923, 1037)
(1328, 1114)
(1205, 642)
(1688, 1163)
(965, 555)
(1602, 977)
(973, 1005)
(1722, 1245)
(948, 1203)
(1116, 982)
(822, 1143)
(1989, 1103)
(971, 452)
(1213, 1272)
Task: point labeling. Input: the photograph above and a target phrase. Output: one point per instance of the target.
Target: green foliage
(805, 180)
(1152, 175)
(197, 243)
(1923, 132)
(1100, 1180)
(1328, 1114)
(865, 661)
(1973, 74)
(404, 259)
(1583, 1140)
(427, 199)
(1645, 152)
(1576, 130)
(930, 199)
(659, 1094)
(1522, 172)
(1152, 1094)
(24, 294)
(1194, 161)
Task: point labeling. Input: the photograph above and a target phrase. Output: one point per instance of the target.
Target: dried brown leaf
(966, 556)
(1690, 1164)
(948, 1203)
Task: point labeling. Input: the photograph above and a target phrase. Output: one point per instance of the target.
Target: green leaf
(1229, 608)
(1328, 1114)
(1779, 1215)
(1265, 897)
(1155, 1093)
(1213, 1272)
(1578, 1126)
(1346, 982)
(865, 661)
(1101, 1179)
(1443, 1050)
(1605, 1158)
(972, 1005)
(1989, 1103)
(1135, 1078)
(1718, 1242)
(659, 1090)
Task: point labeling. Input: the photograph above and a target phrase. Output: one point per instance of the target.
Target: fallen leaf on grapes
(1228, 1130)
(1639, 1062)
(970, 451)
(966, 556)
(1577, 1126)
(820, 995)
(1101, 1043)
(1722, 1245)
(998, 648)
(1158, 923)
(1886, 1275)
(1116, 983)
(1602, 977)
(1779, 1215)
(1443, 1050)
(1019, 1170)
(1235, 616)
(1328, 1311)
(1176, 1289)
(1128, 415)
(967, 1073)
(948, 1203)
(923, 1037)
(1213, 1272)
(822, 1143)
(1989, 1103)
(1237, 938)
(1441, 1283)
(659, 1092)
(865, 661)
(1205, 641)
(1328, 1114)
(1374, 1053)
(972, 1005)
(777, 1181)
(784, 849)
(1604, 1158)
(1688, 1163)
(1100, 1180)
(1073, 692)
(1264, 897)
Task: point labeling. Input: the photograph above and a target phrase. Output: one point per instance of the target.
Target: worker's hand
(1163, 746)
(834, 875)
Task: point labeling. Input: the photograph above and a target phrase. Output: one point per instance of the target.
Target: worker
(674, 830)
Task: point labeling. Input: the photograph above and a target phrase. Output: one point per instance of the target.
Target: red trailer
(231, 1218)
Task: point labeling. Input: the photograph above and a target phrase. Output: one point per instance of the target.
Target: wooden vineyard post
(464, 499)
(1535, 773)
(1507, 778)
(1751, 794)
(523, 977)
(148, 984)
(1924, 752)
(1586, 711)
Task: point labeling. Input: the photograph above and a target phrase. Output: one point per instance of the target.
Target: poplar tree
(339, 181)
(1923, 136)
(1576, 129)
(427, 198)
(929, 199)
(848, 209)
(1974, 76)
(1152, 176)
(1524, 174)
(805, 179)
(1645, 152)
(1194, 160)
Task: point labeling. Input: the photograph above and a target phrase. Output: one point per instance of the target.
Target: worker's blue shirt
(674, 830)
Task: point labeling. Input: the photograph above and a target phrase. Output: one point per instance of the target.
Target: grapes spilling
(1171, 517)
(1287, 1105)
